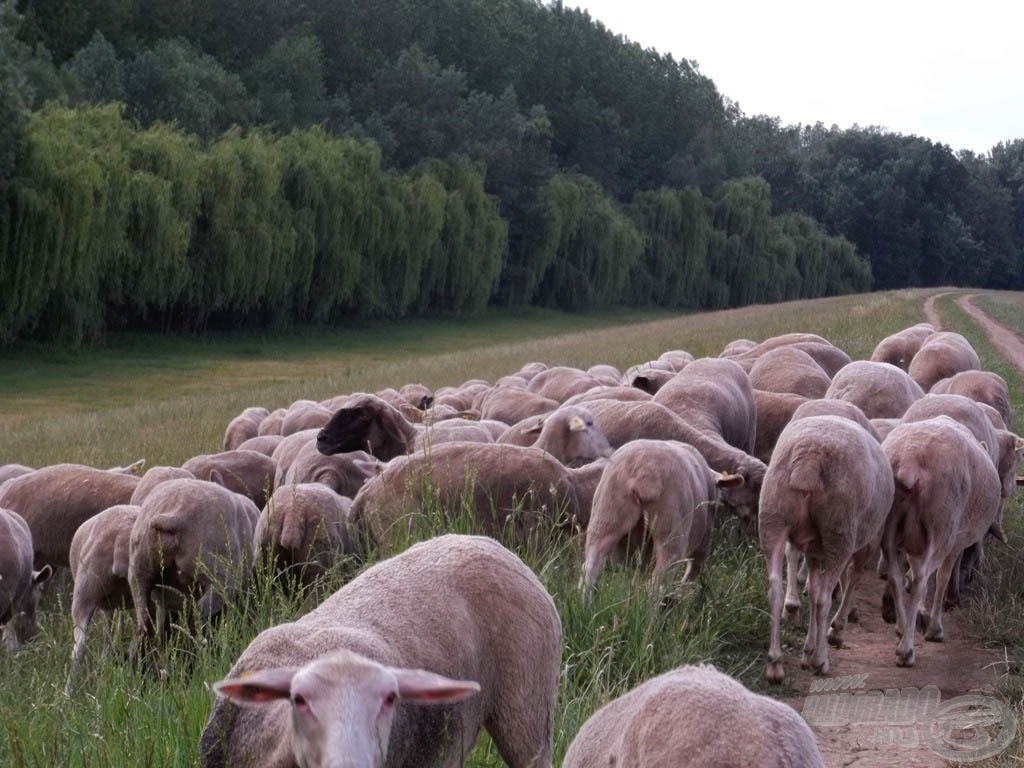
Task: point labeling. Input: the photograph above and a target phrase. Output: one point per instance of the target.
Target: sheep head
(367, 423)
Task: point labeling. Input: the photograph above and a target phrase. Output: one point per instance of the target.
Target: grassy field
(167, 400)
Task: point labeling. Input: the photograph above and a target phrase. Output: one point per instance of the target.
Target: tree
(97, 74)
(288, 83)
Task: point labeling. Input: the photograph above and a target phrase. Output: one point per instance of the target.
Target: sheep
(899, 348)
(948, 495)
(417, 395)
(244, 426)
(677, 358)
(622, 422)
(55, 500)
(569, 434)
(265, 444)
(305, 526)
(841, 408)
(338, 472)
(942, 355)
(288, 450)
(452, 430)
(8, 471)
(460, 398)
(511, 490)
(648, 379)
(748, 357)
(271, 425)
(152, 479)
(827, 493)
(604, 373)
(789, 369)
(881, 390)
(368, 424)
(694, 716)
(20, 586)
(774, 411)
(621, 392)
(512, 405)
(737, 348)
(661, 489)
(714, 395)
(304, 415)
(983, 386)
(193, 537)
(99, 567)
(463, 607)
(249, 473)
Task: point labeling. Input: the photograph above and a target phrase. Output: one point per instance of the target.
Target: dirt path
(1009, 344)
(957, 667)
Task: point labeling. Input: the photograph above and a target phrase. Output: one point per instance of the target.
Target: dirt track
(957, 667)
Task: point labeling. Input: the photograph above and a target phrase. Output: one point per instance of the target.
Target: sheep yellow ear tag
(576, 424)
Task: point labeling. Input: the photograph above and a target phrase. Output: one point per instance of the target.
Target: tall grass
(124, 715)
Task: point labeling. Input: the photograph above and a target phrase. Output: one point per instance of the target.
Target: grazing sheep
(648, 379)
(621, 392)
(452, 430)
(152, 479)
(462, 607)
(288, 450)
(714, 395)
(607, 374)
(827, 493)
(305, 526)
(304, 415)
(569, 434)
(774, 411)
(661, 489)
(249, 473)
(265, 444)
(747, 358)
(271, 425)
(20, 586)
(512, 405)
(840, 408)
(417, 395)
(737, 348)
(339, 471)
(512, 491)
(244, 426)
(677, 358)
(192, 537)
(99, 567)
(942, 355)
(947, 497)
(982, 386)
(367, 423)
(899, 348)
(789, 369)
(7, 471)
(698, 717)
(460, 398)
(622, 422)
(881, 390)
(55, 500)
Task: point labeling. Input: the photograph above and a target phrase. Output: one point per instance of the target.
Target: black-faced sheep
(698, 717)
(20, 586)
(367, 423)
(827, 493)
(462, 607)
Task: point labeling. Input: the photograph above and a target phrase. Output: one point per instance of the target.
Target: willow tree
(595, 246)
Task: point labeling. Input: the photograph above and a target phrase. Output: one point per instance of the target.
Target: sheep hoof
(936, 636)
(904, 658)
(835, 637)
(922, 622)
(792, 613)
(774, 672)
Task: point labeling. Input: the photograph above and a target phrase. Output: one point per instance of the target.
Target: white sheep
(661, 490)
(698, 717)
(332, 685)
(947, 497)
(569, 434)
(982, 386)
(244, 426)
(881, 390)
(899, 348)
(942, 355)
(249, 473)
(20, 586)
(827, 493)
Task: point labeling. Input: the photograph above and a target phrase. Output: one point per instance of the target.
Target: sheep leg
(775, 554)
(922, 571)
(820, 585)
(81, 615)
(602, 536)
(794, 564)
(943, 576)
(850, 579)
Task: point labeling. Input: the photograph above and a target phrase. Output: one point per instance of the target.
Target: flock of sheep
(903, 462)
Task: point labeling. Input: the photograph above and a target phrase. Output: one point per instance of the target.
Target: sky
(949, 72)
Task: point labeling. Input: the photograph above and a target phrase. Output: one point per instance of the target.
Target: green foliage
(288, 83)
(96, 72)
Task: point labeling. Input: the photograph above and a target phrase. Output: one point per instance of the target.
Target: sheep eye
(298, 700)
(390, 698)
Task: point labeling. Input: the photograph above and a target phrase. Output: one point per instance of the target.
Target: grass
(170, 399)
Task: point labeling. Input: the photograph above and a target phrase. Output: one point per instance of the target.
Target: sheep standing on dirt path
(947, 497)
(462, 607)
(20, 586)
(827, 493)
(694, 716)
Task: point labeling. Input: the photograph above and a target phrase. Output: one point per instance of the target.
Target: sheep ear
(534, 427)
(725, 480)
(425, 402)
(42, 575)
(576, 424)
(217, 477)
(419, 687)
(135, 468)
(258, 687)
(369, 467)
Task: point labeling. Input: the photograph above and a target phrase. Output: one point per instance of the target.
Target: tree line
(489, 152)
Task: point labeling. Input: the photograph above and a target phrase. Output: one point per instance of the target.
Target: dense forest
(187, 164)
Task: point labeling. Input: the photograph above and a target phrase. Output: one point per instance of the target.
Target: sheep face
(367, 424)
(22, 625)
(343, 705)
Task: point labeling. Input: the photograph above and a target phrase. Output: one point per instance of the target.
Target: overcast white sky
(950, 72)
